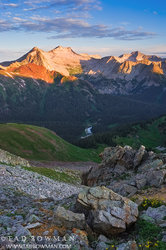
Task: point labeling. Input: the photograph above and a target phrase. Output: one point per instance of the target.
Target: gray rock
(130, 245)
(162, 223)
(104, 222)
(32, 218)
(69, 219)
(119, 169)
(156, 213)
(22, 231)
(34, 225)
(122, 246)
(46, 233)
(36, 185)
(126, 170)
(147, 218)
(56, 233)
(108, 213)
(139, 156)
(13, 229)
(6, 221)
(156, 163)
(103, 239)
(3, 171)
(164, 238)
(19, 218)
(78, 242)
(156, 178)
(101, 246)
(128, 190)
(141, 183)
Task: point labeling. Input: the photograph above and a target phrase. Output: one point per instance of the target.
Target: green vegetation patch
(75, 71)
(151, 135)
(60, 176)
(38, 143)
(149, 235)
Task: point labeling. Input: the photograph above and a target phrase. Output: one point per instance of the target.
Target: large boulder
(63, 217)
(107, 212)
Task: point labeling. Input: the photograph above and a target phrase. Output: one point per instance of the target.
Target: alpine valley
(67, 92)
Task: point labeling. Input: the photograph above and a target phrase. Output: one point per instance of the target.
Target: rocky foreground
(126, 171)
(34, 184)
(39, 213)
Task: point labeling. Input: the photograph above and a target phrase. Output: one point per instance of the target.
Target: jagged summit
(137, 56)
(63, 60)
(34, 49)
(133, 56)
(63, 48)
(137, 53)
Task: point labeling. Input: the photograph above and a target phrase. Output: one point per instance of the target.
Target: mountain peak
(137, 56)
(34, 49)
(61, 48)
(137, 53)
(133, 56)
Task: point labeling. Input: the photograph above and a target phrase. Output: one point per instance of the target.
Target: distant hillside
(150, 134)
(37, 143)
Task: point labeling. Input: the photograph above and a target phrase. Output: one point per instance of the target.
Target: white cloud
(10, 4)
(18, 19)
(62, 26)
(5, 26)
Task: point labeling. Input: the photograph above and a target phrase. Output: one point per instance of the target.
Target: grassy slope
(151, 135)
(37, 143)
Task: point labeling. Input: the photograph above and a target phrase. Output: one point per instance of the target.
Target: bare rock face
(63, 217)
(125, 170)
(107, 212)
(116, 161)
(139, 156)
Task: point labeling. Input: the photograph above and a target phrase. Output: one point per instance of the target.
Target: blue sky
(91, 26)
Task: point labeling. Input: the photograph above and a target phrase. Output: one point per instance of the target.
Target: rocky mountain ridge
(144, 70)
(58, 60)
